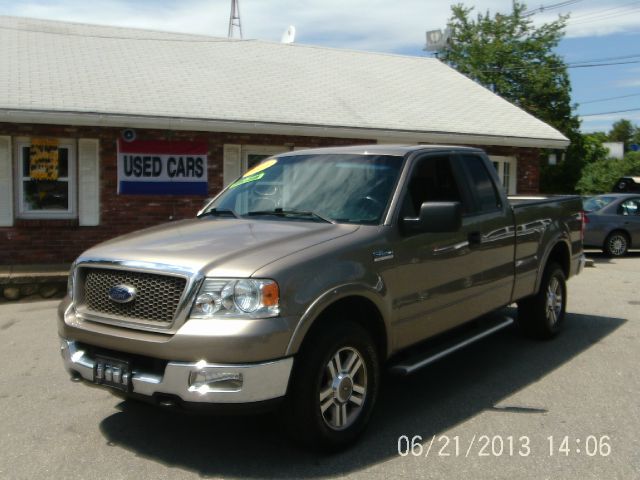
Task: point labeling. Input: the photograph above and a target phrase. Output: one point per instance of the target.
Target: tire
(616, 244)
(334, 387)
(541, 315)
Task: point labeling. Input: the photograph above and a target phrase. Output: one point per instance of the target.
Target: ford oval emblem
(122, 293)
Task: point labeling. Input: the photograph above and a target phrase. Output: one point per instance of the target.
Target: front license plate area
(112, 372)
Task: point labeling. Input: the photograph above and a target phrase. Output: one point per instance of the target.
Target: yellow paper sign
(260, 167)
(43, 159)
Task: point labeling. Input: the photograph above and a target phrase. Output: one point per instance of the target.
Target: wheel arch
(560, 253)
(364, 307)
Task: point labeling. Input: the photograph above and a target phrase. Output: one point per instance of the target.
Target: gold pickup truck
(306, 277)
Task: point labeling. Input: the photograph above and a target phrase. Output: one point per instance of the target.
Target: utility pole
(234, 19)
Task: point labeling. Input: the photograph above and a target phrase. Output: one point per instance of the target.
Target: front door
(445, 279)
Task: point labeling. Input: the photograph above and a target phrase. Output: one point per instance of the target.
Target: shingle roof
(49, 66)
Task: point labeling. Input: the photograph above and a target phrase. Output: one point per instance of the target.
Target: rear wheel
(334, 386)
(616, 244)
(541, 315)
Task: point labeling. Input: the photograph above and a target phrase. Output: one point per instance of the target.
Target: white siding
(232, 163)
(88, 182)
(6, 183)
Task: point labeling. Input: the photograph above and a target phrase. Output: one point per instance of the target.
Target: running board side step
(436, 352)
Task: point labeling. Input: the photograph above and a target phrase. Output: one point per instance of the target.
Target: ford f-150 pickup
(308, 275)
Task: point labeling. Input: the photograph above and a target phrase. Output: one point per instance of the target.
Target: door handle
(475, 238)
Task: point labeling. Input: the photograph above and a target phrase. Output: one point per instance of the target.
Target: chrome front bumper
(195, 382)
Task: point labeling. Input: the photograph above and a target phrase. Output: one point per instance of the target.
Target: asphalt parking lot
(506, 407)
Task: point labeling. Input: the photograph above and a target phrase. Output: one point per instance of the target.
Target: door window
(432, 180)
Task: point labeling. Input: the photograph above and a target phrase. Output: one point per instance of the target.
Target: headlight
(252, 298)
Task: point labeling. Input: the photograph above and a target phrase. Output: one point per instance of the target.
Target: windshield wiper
(280, 212)
(219, 212)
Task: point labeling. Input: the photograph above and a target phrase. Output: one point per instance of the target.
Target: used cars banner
(157, 167)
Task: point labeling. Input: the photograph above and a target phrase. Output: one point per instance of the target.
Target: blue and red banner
(159, 167)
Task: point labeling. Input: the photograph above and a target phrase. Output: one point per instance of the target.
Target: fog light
(204, 381)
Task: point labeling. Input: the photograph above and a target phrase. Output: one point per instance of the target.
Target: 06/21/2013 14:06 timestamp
(500, 445)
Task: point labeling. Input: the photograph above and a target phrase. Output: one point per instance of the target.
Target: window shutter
(6, 183)
(231, 165)
(88, 182)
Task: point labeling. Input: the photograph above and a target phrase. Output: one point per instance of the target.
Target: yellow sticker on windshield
(260, 167)
(245, 179)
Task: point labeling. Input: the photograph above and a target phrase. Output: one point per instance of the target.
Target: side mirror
(435, 217)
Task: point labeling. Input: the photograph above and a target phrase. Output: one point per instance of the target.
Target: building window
(51, 195)
(506, 168)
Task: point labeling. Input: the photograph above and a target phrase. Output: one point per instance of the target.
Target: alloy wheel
(343, 389)
(554, 300)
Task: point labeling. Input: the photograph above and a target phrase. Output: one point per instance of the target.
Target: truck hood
(221, 247)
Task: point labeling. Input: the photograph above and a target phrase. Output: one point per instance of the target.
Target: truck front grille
(156, 299)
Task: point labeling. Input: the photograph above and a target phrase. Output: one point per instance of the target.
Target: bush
(601, 175)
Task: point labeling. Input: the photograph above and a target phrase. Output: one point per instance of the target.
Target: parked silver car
(612, 222)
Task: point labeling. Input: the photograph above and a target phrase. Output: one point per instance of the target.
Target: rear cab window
(486, 198)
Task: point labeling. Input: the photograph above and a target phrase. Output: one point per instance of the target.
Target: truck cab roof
(375, 149)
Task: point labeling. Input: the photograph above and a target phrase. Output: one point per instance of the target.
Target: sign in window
(47, 178)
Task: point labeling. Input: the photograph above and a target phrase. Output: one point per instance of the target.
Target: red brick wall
(61, 241)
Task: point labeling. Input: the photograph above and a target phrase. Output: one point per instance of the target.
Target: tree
(510, 55)
(623, 131)
(593, 149)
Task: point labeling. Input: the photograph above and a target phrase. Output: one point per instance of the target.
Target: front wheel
(542, 315)
(334, 386)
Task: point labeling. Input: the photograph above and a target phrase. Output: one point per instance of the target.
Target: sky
(598, 31)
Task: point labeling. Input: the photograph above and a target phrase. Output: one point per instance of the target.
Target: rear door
(629, 214)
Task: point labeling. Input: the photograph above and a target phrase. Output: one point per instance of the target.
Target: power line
(544, 8)
(607, 17)
(559, 67)
(609, 113)
(610, 98)
(606, 59)
(603, 64)
(600, 12)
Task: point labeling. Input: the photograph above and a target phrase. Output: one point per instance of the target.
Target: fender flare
(330, 297)
(559, 239)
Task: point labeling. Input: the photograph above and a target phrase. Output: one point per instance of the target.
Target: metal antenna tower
(234, 19)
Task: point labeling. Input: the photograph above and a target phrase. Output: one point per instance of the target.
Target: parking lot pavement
(503, 408)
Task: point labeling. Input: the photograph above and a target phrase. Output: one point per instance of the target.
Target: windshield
(333, 187)
(593, 204)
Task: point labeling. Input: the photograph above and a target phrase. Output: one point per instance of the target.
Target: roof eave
(216, 125)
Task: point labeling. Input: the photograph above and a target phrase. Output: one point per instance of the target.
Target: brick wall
(61, 241)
